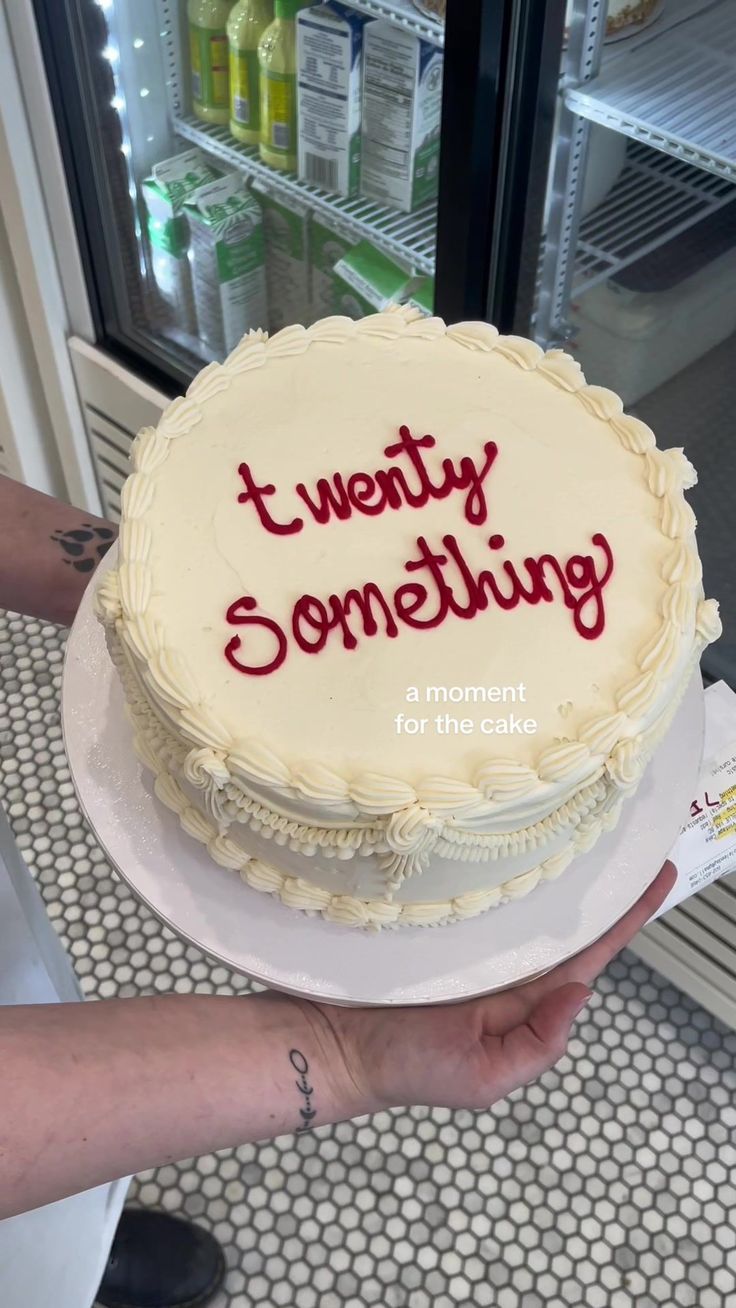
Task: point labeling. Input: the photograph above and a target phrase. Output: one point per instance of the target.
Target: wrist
(339, 1036)
(372, 1054)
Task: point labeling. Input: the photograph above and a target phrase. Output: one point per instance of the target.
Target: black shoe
(160, 1261)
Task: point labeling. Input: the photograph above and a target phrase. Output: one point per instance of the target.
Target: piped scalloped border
(159, 755)
(346, 910)
(415, 816)
(338, 843)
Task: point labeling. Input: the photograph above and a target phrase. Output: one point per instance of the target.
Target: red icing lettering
(361, 489)
(435, 563)
(578, 574)
(387, 488)
(411, 446)
(448, 587)
(332, 499)
(310, 612)
(364, 600)
(408, 599)
(420, 605)
(470, 479)
(256, 495)
(237, 617)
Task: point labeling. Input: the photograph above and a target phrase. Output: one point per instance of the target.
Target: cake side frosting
(357, 905)
(492, 807)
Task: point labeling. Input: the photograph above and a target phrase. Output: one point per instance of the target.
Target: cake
(346, 539)
(622, 15)
(629, 13)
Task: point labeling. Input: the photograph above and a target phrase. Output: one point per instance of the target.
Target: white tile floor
(610, 1183)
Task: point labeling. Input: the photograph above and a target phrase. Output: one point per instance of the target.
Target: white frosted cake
(401, 611)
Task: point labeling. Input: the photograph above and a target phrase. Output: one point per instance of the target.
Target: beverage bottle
(277, 62)
(247, 22)
(208, 55)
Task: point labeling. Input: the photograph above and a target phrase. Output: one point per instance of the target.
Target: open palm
(471, 1054)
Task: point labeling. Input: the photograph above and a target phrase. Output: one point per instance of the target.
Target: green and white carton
(365, 281)
(329, 87)
(326, 248)
(287, 265)
(228, 262)
(421, 296)
(402, 103)
(165, 192)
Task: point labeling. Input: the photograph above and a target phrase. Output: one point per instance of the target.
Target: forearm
(48, 551)
(99, 1090)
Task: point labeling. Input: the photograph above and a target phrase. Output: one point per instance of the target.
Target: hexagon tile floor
(608, 1184)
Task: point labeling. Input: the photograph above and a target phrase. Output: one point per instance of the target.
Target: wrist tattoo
(306, 1112)
(84, 546)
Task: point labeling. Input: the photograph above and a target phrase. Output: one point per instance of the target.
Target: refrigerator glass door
(244, 166)
(637, 267)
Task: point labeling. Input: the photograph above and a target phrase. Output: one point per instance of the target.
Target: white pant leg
(53, 1257)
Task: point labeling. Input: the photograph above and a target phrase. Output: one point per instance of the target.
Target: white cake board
(254, 934)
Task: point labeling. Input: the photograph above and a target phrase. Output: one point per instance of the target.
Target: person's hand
(471, 1054)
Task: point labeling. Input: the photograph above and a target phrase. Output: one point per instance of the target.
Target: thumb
(536, 1044)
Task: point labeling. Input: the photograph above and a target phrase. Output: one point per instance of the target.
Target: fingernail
(585, 1000)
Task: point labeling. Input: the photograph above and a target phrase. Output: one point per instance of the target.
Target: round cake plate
(254, 934)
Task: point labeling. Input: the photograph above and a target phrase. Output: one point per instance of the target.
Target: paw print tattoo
(84, 546)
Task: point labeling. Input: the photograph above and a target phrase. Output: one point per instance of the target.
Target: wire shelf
(655, 199)
(404, 14)
(409, 238)
(675, 91)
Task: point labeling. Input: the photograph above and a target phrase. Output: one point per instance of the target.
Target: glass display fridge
(329, 120)
(566, 171)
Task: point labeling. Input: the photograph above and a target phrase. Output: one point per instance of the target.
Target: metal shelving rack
(674, 91)
(409, 238)
(670, 90)
(404, 14)
(655, 199)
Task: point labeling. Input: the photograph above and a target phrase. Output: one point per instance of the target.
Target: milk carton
(164, 193)
(329, 81)
(421, 296)
(402, 102)
(287, 265)
(366, 281)
(228, 265)
(326, 247)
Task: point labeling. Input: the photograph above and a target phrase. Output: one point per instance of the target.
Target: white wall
(41, 418)
(27, 449)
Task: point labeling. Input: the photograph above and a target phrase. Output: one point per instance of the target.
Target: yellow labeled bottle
(247, 22)
(277, 61)
(208, 55)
